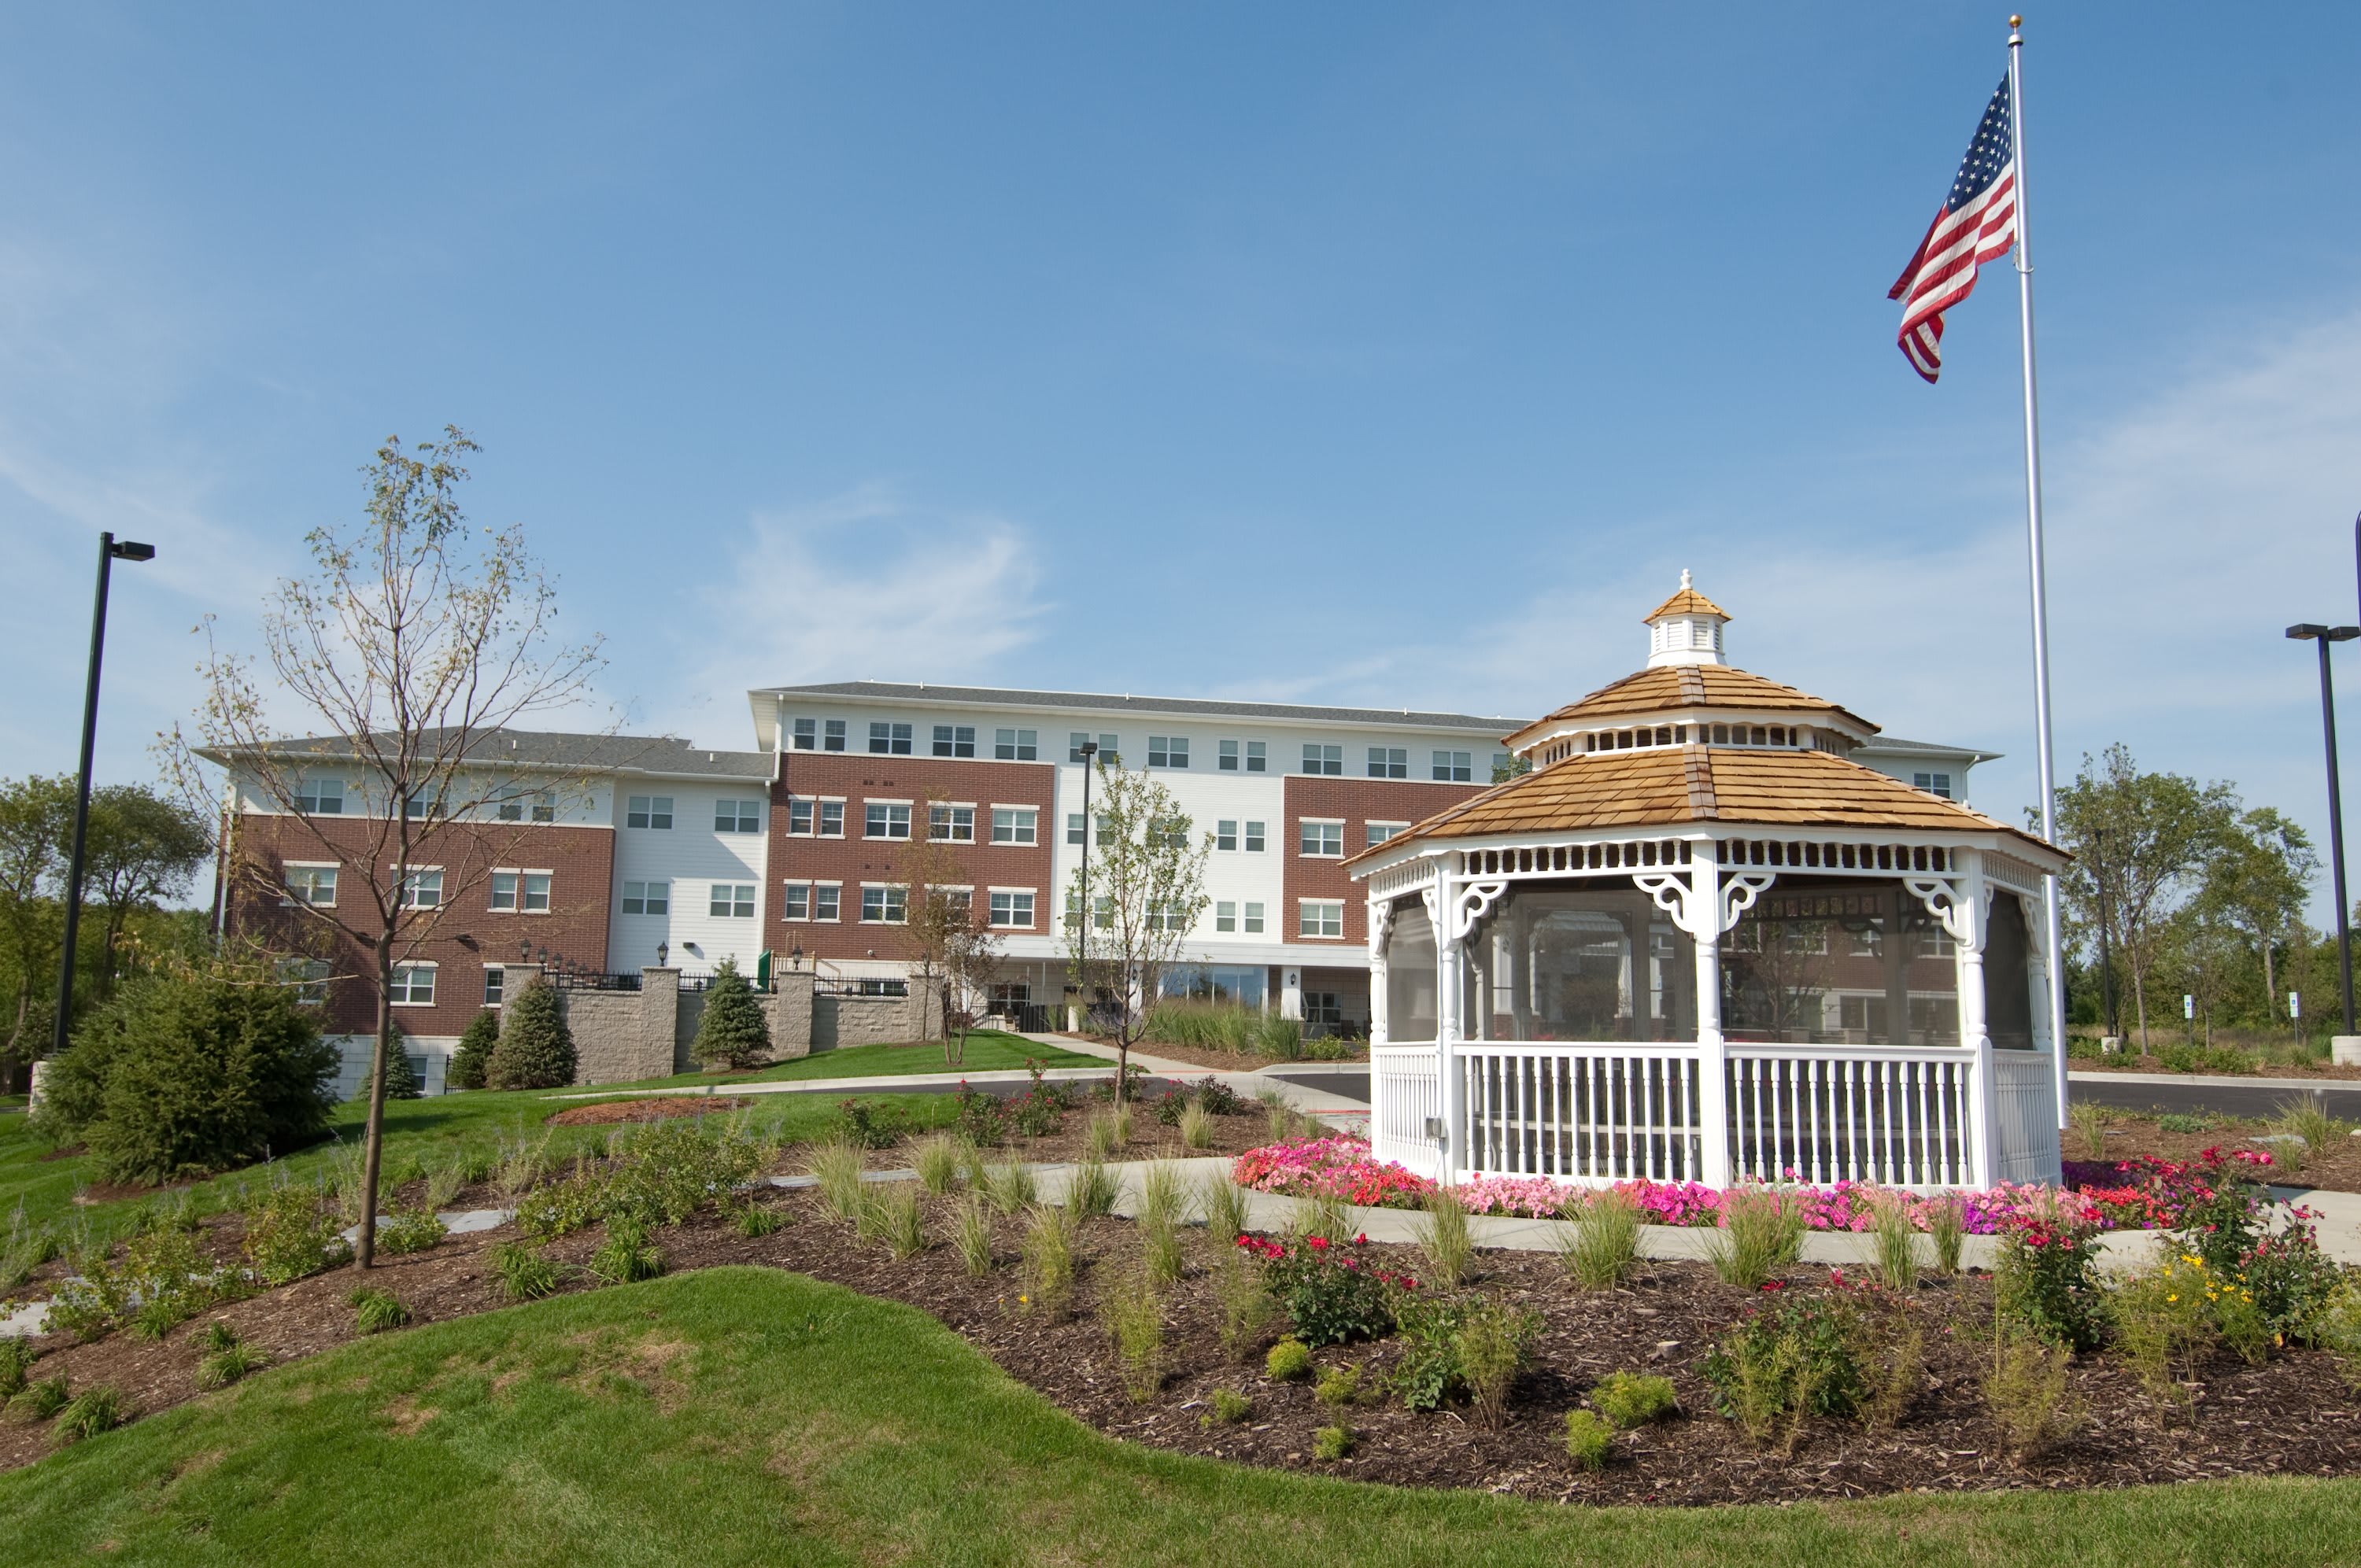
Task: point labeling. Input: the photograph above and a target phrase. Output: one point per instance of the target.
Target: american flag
(1976, 223)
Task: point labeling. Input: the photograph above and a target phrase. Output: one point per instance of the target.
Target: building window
(1455, 767)
(648, 811)
(955, 824)
(413, 986)
(832, 735)
(1257, 757)
(1167, 833)
(1254, 838)
(1075, 833)
(314, 885)
(1013, 910)
(1504, 766)
(495, 985)
(1102, 911)
(320, 797)
(422, 889)
(1014, 825)
(1017, 745)
(423, 802)
(831, 820)
(1226, 916)
(1167, 751)
(1388, 762)
(1379, 832)
(1164, 916)
(1226, 757)
(795, 903)
(544, 806)
(1253, 918)
(1324, 760)
(1225, 833)
(887, 821)
(1933, 783)
(531, 887)
(737, 816)
(1324, 1012)
(647, 898)
(962, 899)
(1323, 916)
(1323, 839)
(807, 734)
(799, 818)
(310, 978)
(889, 739)
(884, 905)
(732, 901)
(1107, 750)
(954, 740)
(826, 899)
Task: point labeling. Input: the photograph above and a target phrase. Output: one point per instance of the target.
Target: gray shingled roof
(1001, 696)
(1895, 743)
(663, 754)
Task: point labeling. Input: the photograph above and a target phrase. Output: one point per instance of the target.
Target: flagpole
(2038, 568)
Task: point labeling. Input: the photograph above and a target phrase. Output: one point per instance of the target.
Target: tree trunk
(2270, 980)
(2139, 1002)
(373, 1140)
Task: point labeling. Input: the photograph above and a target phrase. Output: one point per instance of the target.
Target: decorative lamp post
(2324, 635)
(663, 950)
(110, 550)
(1082, 964)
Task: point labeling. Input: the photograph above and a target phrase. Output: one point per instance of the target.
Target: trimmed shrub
(194, 1072)
(1588, 1439)
(471, 1063)
(1332, 1444)
(535, 1049)
(1631, 1400)
(733, 1033)
(1290, 1360)
(1230, 1407)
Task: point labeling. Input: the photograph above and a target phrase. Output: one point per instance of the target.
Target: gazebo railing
(1595, 1113)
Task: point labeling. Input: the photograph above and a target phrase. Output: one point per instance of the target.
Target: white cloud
(864, 586)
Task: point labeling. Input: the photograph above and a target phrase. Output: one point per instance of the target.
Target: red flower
(1775, 1285)
(1321, 1243)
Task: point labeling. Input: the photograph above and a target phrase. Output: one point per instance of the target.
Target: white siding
(691, 856)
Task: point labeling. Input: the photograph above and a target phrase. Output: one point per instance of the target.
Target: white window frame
(806, 735)
(739, 909)
(1228, 756)
(821, 829)
(1303, 925)
(1258, 756)
(836, 735)
(948, 830)
(519, 891)
(1389, 762)
(405, 983)
(949, 738)
(1076, 828)
(308, 893)
(1322, 760)
(496, 985)
(1257, 838)
(1323, 829)
(309, 978)
(1024, 824)
(737, 818)
(795, 901)
(648, 808)
(888, 738)
(1225, 914)
(889, 893)
(1225, 833)
(1250, 918)
(1015, 745)
(1379, 832)
(1011, 896)
(1169, 751)
(646, 895)
(831, 893)
(1453, 767)
(868, 808)
(410, 887)
(311, 795)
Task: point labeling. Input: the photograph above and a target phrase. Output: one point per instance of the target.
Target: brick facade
(467, 936)
(1357, 802)
(857, 778)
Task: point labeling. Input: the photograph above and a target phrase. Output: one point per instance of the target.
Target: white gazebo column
(1449, 968)
(1967, 926)
(1382, 936)
(1705, 925)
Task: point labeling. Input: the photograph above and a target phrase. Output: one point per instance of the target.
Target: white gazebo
(1697, 942)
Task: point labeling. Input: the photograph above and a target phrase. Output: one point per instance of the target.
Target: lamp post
(2324, 635)
(110, 551)
(1090, 755)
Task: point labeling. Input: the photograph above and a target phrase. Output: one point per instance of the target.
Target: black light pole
(1090, 761)
(109, 552)
(2324, 635)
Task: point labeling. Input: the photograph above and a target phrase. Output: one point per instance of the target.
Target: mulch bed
(2294, 1416)
(656, 1110)
(2337, 1170)
(1236, 1061)
(1233, 1135)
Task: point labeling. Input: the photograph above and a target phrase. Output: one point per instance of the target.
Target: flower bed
(2138, 1194)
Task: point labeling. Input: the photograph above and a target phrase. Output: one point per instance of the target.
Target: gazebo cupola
(1685, 629)
(1697, 941)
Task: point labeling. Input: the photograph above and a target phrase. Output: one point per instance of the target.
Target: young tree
(36, 816)
(1146, 891)
(472, 1060)
(535, 1049)
(971, 955)
(401, 1080)
(2257, 885)
(733, 1032)
(143, 847)
(936, 908)
(2141, 844)
(412, 640)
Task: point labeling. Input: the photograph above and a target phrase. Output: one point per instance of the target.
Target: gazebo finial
(1684, 579)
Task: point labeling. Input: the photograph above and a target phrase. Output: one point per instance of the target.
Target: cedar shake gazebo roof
(1669, 688)
(1687, 601)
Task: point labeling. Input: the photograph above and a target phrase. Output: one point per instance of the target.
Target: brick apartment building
(606, 854)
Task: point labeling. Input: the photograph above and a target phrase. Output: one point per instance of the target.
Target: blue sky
(1357, 353)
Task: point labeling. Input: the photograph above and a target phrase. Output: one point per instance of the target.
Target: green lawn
(427, 1130)
(745, 1415)
(988, 1050)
